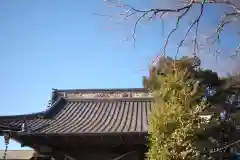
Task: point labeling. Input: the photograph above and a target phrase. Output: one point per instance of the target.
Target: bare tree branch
(135, 25)
(176, 27)
(226, 20)
(227, 2)
(195, 22)
(103, 15)
(153, 13)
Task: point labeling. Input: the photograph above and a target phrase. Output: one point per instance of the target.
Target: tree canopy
(183, 94)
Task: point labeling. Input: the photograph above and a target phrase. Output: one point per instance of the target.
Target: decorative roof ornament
(54, 95)
(24, 126)
(49, 102)
(108, 95)
(54, 89)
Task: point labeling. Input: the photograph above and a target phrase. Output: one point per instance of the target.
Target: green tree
(176, 129)
(177, 106)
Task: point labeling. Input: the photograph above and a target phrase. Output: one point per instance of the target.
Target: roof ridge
(109, 99)
(100, 89)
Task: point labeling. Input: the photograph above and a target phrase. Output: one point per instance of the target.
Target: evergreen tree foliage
(173, 123)
(182, 93)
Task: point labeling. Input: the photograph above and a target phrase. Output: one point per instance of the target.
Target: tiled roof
(89, 111)
(88, 116)
(97, 116)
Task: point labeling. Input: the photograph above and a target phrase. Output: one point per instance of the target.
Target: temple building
(99, 124)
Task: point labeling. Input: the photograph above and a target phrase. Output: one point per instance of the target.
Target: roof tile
(97, 116)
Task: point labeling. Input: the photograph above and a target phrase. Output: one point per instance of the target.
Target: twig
(176, 27)
(197, 26)
(103, 15)
(227, 2)
(195, 22)
(222, 24)
(155, 11)
(129, 15)
(135, 26)
(227, 146)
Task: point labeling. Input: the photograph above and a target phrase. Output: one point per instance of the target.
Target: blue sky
(60, 44)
